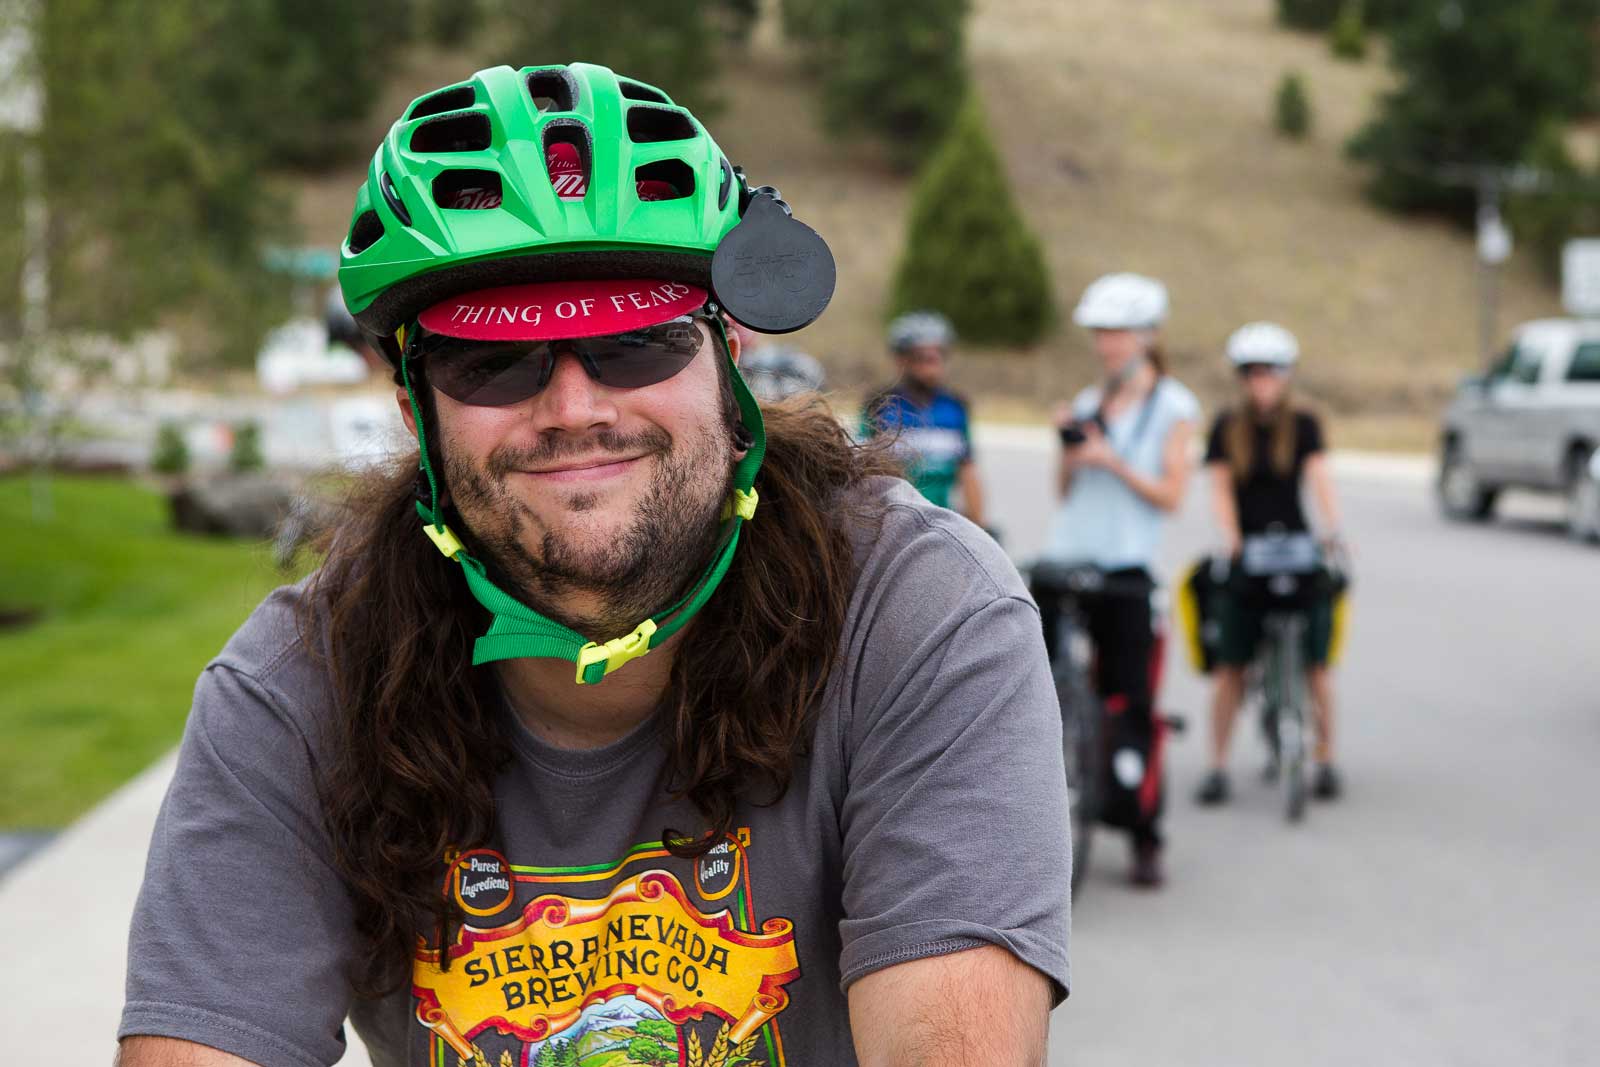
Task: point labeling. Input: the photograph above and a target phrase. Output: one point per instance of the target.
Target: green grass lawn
(100, 684)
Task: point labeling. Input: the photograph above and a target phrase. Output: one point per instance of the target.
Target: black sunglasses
(1250, 370)
(496, 373)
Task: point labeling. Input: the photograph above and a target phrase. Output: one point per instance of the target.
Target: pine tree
(674, 51)
(896, 71)
(1291, 107)
(1348, 38)
(1478, 78)
(1567, 206)
(968, 251)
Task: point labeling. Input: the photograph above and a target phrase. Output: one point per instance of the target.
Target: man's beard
(642, 568)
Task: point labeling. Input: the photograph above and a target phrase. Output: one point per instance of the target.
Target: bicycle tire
(1080, 715)
(1292, 679)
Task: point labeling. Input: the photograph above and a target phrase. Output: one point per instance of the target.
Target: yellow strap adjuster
(444, 537)
(742, 504)
(617, 651)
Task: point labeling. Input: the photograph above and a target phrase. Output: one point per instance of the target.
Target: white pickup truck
(1532, 422)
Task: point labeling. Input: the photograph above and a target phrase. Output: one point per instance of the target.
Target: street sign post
(1580, 277)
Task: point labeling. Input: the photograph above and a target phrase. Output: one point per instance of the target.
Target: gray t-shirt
(930, 817)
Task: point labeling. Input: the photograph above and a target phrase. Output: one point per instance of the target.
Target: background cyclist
(932, 429)
(1260, 454)
(1124, 470)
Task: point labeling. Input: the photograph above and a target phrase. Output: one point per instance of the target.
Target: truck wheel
(1461, 495)
(1583, 497)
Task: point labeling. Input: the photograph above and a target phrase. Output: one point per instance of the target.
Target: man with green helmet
(628, 722)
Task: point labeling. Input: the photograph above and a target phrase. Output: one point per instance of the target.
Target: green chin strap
(518, 631)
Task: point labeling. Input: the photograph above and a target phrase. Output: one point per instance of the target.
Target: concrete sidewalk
(64, 916)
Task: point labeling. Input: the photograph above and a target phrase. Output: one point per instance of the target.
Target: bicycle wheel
(1292, 717)
(1080, 713)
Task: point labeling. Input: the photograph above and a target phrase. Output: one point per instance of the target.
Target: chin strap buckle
(614, 653)
(444, 538)
(742, 503)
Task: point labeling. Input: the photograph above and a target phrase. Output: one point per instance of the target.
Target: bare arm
(171, 1052)
(1225, 507)
(1321, 480)
(1165, 492)
(919, 1014)
(971, 492)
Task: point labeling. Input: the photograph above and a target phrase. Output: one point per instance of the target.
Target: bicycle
(1286, 573)
(1067, 587)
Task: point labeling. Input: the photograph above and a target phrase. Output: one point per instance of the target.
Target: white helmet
(920, 328)
(1265, 343)
(1122, 302)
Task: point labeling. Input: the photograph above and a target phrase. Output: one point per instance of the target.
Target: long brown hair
(1239, 439)
(415, 727)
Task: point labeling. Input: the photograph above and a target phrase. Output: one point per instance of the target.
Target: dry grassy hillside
(1138, 137)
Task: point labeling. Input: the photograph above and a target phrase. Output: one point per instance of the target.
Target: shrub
(1291, 107)
(246, 455)
(171, 452)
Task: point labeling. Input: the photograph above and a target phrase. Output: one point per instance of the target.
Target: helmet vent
(467, 190)
(647, 125)
(665, 179)
(366, 231)
(455, 133)
(461, 96)
(633, 90)
(391, 196)
(727, 184)
(552, 90)
(567, 155)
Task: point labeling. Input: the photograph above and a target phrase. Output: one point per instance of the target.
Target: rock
(238, 505)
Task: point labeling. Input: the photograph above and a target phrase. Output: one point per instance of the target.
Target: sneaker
(1213, 789)
(1325, 785)
(1146, 872)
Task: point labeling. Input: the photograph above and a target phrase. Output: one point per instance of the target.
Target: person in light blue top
(1124, 465)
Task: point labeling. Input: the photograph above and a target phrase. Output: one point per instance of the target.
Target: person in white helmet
(1260, 455)
(1123, 467)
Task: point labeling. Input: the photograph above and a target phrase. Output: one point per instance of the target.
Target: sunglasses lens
(496, 374)
(490, 375)
(642, 357)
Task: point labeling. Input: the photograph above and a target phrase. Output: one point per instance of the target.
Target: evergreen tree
(1477, 80)
(153, 188)
(1567, 206)
(674, 50)
(896, 71)
(1348, 38)
(968, 252)
(1308, 14)
(1291, 107)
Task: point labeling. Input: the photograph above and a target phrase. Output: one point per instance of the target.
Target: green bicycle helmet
(563, 174)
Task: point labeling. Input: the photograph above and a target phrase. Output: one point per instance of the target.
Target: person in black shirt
(1260, 455)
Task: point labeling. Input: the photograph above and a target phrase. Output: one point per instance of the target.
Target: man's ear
(406, 413)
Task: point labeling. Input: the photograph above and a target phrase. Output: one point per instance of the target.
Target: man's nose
(573, 401)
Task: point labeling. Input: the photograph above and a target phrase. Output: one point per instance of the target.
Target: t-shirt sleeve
(1216, 444)
(242, 931)
(954, 820)
(1309, 430)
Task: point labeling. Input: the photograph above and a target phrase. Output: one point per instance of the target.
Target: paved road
(1444, 913)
